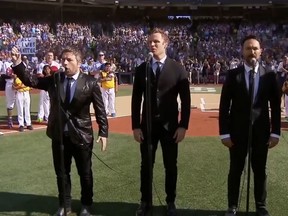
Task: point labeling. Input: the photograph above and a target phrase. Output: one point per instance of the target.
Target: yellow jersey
(108, 84)
(19, 86)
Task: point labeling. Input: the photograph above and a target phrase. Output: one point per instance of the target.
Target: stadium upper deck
(134, 9)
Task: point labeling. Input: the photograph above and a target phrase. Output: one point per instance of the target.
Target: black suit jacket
(234, 111)
(173, 80)
(87, 91)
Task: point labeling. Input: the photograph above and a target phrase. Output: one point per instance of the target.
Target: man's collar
(75, 76)
(161, 60)
(249, 68)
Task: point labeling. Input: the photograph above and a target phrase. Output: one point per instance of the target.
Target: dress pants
(238, 155)
(169, 152)
(82, 156)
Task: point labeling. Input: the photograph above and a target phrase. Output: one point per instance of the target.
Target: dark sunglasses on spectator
(101, 54)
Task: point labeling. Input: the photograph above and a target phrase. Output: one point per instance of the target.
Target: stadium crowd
(193, 44)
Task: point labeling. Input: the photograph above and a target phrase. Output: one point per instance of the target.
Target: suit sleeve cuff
(275, 135)
(224, 136)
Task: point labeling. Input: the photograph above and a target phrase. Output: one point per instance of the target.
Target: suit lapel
(164, 70)
(80, 82)
(242, 80)
(61, 86)
(261, 72)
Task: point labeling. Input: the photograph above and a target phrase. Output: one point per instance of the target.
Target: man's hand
(179, 134)
(16, 56)
(138, 135)
(227, 142)
(103, 142)
(273, 141)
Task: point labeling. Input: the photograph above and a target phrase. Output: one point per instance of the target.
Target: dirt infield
(201, 123)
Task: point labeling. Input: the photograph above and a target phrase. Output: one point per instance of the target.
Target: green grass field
(28, 183)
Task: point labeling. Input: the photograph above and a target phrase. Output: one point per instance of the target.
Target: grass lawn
(28, 183)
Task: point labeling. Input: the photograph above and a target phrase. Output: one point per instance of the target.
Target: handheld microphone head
(253, 62)
(60, 70)
(150, 56)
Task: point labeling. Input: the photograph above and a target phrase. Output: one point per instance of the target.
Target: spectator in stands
(205, 71)
(23, 104)
(98, 65)
(27, 64)
(44, 99)
(216, 68)
(282, 72)
(49, 60)
(107, 80)
(10, 93)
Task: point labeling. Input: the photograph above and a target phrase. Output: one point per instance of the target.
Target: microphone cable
(120, 173)
(243, 184)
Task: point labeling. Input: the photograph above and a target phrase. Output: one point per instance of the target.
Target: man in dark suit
(168, 80)
(77, 91)
(234, 121)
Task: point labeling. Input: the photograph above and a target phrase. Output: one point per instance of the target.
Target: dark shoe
(29, 127)
(171, 209)
(232, 211)
(60, 211)
(262, 212)
(21, 129)
(10, 123)
(113, 115)
(143, 209)
(85, 211)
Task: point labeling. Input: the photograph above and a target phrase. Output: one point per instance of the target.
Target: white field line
(203, 106)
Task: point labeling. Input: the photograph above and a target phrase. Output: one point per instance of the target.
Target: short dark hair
(162, 32)
(75, 51)
(249, 37)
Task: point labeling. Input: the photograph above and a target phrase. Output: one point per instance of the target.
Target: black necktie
(68, 91)
(158, 71)
(251, 85)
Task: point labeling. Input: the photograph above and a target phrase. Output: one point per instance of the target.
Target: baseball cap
(53, 69)
(101, 53)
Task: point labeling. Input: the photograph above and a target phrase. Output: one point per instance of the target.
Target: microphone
(60, 70)
(150, 56)
(253, 63)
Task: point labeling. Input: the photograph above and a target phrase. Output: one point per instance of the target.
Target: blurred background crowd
(207, 48)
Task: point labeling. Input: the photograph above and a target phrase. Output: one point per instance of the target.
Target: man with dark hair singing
(71, 93)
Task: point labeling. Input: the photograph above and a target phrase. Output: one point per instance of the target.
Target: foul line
(204, 109)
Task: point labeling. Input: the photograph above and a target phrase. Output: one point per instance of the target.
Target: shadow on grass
(30, 204)
(3, 118)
